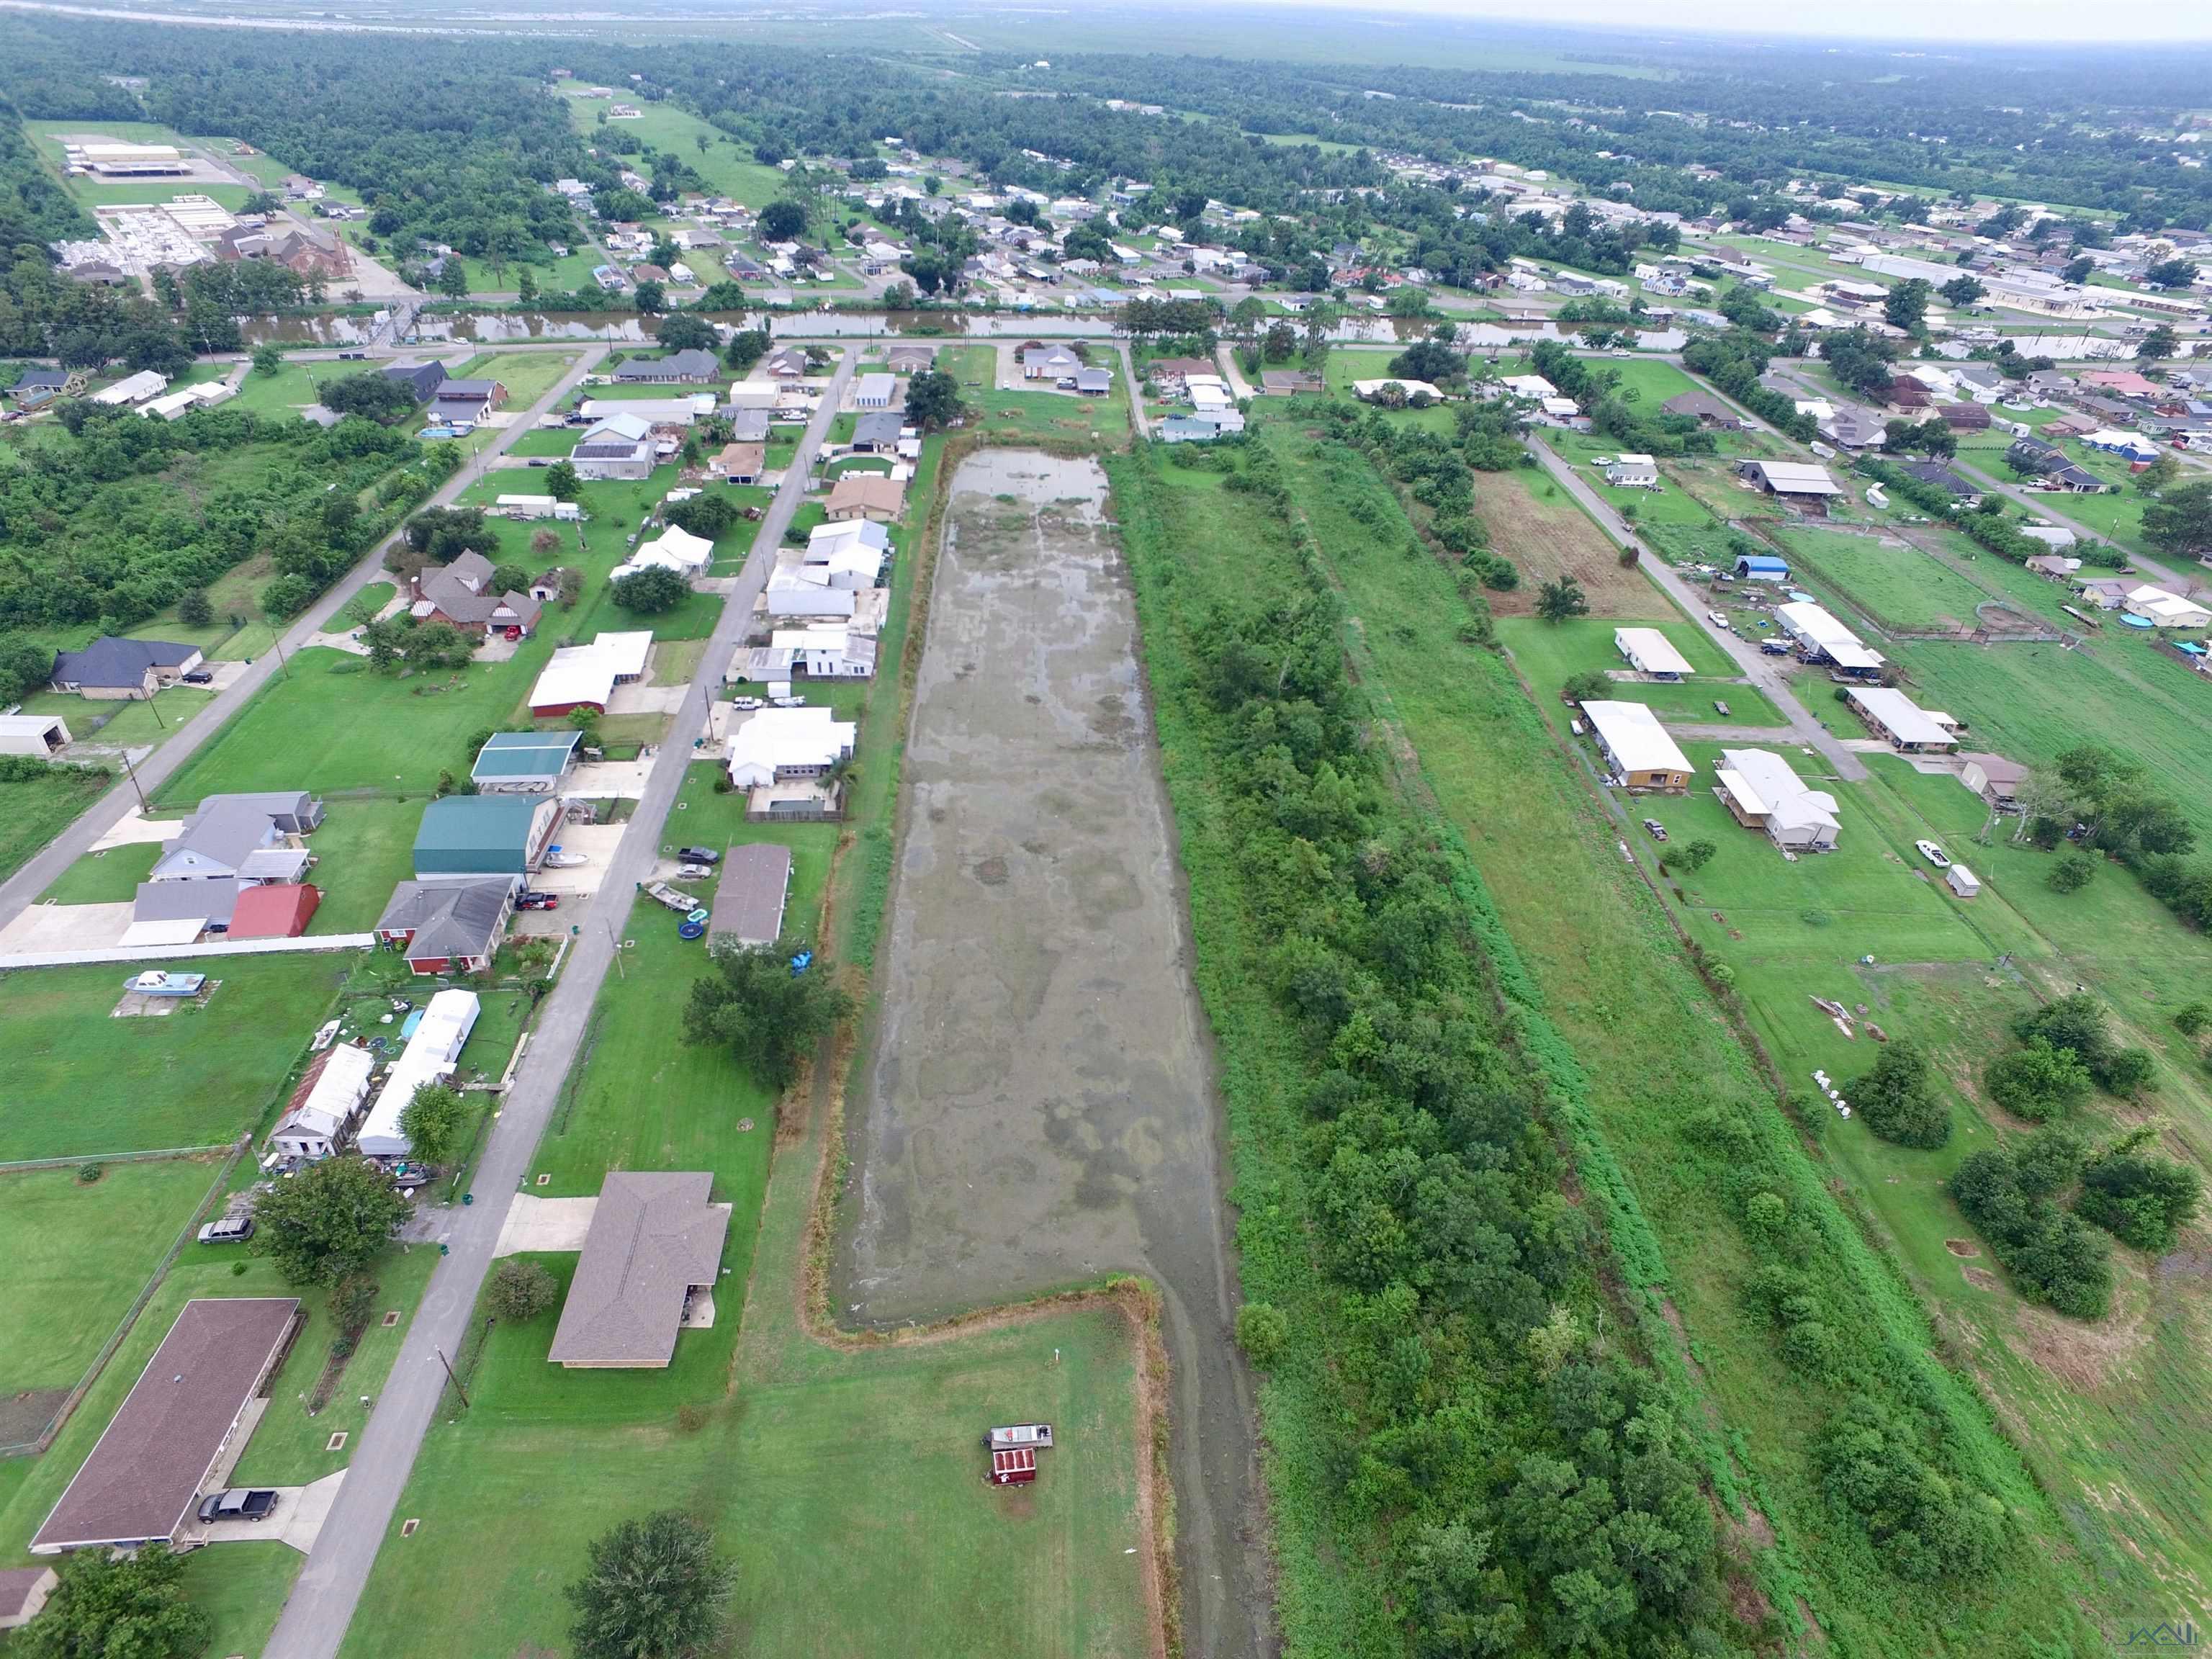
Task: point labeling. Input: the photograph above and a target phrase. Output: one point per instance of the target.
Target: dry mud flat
(1039, 1108)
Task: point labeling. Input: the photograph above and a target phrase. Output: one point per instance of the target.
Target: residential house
(23, 1593)
(910, 360)
(785, 363)
(620, 447)
(1093, 382)
(739, 463)
(1631, 472)
(2162, 608)
(524, 763)
(818, 652)
(1819, 638)
(133, 389)
(2051, 468)
(865, 496)
(449, 925)
(1890, 714)
(1049, 363)
(461, 593)
(676, 548)
(1995, 778)
(1706, 410)
(1761, 792)
(495, 834)
(585, 676)
(878, 434)
(747, 426)
(424, 380)
(111, 668)
(654, 1249)
(1853, 428)
(1965, 417)
(749, 894)
(777, 745)
(1652, 653)
(1943, 478)
(1643, 758)
(322, 1111)
(142, 1477)
(39, 385)
(431, 1055)
(695, 366)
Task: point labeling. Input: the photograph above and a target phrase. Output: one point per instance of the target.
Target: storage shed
(41, 735)
(485, 835)
(1962, 881)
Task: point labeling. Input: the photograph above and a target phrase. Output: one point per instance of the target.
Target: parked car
(788, 702)
(1719, 620)
(698, 856)
(1935, 854)
(537, 901)
(1654, 829)
(1775, 647)
(353, 356)
(692, 873)
(540, 460)
(227, 1230)
(199, 676)
(747, 704)
(239, 1503)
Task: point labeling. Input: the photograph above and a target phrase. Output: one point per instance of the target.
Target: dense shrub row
(1527, 1485)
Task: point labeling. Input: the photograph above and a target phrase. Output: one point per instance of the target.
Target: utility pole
(616, 944)
(450, 1378)
(131, 773)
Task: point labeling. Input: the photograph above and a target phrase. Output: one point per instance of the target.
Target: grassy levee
(1675, 1126)
(1351, 1545)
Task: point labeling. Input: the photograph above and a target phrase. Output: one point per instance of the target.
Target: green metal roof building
(524, 763)
(484, 835)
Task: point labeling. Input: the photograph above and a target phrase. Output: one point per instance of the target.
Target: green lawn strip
(81, 1083)
(107, 877)
(289, 1447)
(287, 391)
(242, 1587)
(37, 810)
(78, 1254)
(1604, 966)
(541, 441)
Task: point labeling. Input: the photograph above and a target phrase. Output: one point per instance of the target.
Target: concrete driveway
(44, 927)
(135, 828)
(597, 842)
(609, 781)
(544, 1223)
(297, 1519)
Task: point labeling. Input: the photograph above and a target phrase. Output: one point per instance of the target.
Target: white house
(1532, 387)
(315, 1127)
(1638, 749)
(1650, 652)
(676, 550)
(1631, 472)
(775, 744)
(431, 1055)
(1820, 637)
(1763, 793)
(2155, 604)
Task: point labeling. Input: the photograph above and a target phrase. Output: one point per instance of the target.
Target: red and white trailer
(1015, 1467)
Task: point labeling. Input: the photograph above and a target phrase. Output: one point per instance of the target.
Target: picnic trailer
(1015, 1466)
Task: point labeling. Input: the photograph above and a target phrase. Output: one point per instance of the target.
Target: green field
(81, 1084)
(1653, 1051)
(77, 1253)
(726, 165)
(527, 375)
(37, 810)
(1056, 416)
(1670, 504)
(1891, 581)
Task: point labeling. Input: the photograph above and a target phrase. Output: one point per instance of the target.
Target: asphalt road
(329, 1587)
(36, 877)
(1768, 674)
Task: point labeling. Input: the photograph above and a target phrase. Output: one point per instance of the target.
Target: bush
(193, 607)
(1923, 1526)
(2052, 1257)
(520, 1290)
(2141, 1200)
(1587, 686)
(89, 1173)
(2037, 1082)
(651, 592)
(2191, 1018)
(2072, 874)
(1263, 1332)
(2076, 1024)
(1898, 1099)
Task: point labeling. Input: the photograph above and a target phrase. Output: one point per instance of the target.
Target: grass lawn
(243, 1588)
(78, 1254)
(128, 722)
(726, 165)
(1549, 654)
(107, 877)
(544, 440)
(290, 389)
(364, 849)
(527, 375)
(1891, 581)
(36, 810)
(1670, 504)
(1606, 971)
(81, 1083)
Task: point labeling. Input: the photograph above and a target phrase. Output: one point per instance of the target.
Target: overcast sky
(2000, 21)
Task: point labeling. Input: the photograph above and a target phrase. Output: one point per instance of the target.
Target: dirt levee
(1038, 1108)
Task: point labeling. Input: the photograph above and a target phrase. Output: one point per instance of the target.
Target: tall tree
(652, 1588)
